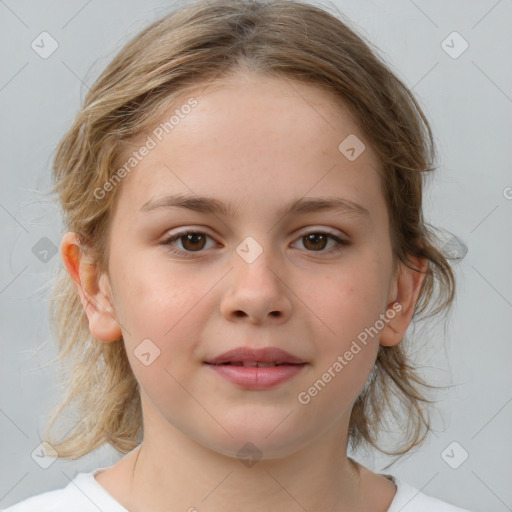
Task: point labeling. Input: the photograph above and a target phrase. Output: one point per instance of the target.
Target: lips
(256, 369)
(256, 357)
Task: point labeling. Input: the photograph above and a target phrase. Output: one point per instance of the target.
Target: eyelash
(168, 242)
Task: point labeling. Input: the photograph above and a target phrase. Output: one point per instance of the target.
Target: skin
(256, 142)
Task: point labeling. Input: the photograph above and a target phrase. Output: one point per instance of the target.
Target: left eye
(318, 240)
(195, 241)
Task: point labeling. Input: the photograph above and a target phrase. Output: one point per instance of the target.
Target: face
(254, 274)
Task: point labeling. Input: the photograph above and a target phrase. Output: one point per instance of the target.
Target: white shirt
(85, 494)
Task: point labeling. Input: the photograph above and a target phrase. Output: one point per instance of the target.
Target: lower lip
(257, 378)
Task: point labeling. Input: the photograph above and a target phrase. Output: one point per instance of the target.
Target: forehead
(253, 137)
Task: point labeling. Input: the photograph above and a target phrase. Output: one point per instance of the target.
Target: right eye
(191, 241)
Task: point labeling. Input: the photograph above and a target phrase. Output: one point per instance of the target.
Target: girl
(245, 252)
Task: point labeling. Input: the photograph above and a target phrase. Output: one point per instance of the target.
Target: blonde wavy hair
(201, 42)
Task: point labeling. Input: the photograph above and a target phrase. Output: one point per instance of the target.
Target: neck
(179, 473)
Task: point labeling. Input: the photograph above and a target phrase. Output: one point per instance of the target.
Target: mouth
(265, 357)
(256, 369)
(255, 364)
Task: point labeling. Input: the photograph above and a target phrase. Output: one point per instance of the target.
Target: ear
(94, 289)
(402, 300)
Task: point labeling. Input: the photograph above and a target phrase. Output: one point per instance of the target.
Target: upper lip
(262, 355)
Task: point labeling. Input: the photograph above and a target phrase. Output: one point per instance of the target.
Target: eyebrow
(211, 205)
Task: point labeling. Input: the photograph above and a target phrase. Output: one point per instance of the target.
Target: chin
(250, 445)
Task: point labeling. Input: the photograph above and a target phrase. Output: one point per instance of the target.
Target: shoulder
(411, 499)
(82, 494)
(51, 501)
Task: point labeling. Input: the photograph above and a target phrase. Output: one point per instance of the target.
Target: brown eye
(193, 241)
(190, 241)
(318, 241)
(315, 241)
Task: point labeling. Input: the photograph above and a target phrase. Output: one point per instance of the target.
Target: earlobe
(93, 289)
(403, 301)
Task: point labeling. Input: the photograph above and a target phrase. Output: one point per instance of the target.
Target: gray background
(469, 102)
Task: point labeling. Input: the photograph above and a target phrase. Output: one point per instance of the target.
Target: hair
(204, 42)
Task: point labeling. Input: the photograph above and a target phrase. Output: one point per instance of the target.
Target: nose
(257, 292)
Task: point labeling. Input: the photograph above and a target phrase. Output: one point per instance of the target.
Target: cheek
(349, 303)
(346, 346)
(154, 294)
(165, 326)
(350, 298)
(162, 311)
